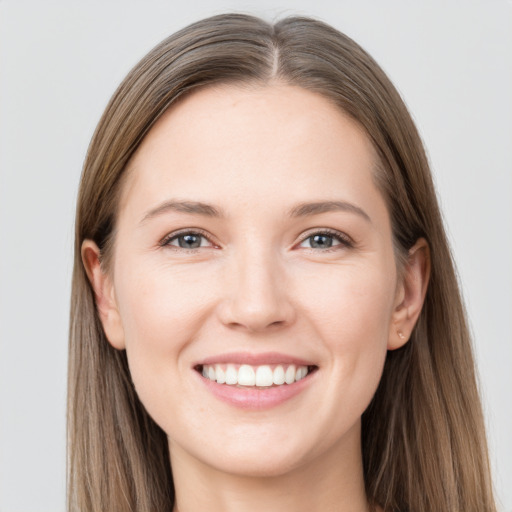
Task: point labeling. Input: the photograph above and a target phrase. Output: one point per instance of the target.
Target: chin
(261, 457)
(261, 465)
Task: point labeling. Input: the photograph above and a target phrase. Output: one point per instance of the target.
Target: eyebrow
(191, 207)
(299, 210)
(305, 209)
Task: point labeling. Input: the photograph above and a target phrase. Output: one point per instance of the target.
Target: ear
(410, 294)
(103, 287)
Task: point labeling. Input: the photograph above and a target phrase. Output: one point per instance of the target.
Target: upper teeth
(247, 375)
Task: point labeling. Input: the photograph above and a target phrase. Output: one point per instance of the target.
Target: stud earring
(401, 335)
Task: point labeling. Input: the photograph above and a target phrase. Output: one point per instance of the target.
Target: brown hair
(423, 437)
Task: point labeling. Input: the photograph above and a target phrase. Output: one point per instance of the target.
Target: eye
(326, 239)
(188, 240)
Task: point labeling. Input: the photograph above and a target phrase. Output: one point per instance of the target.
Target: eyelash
(345, 241)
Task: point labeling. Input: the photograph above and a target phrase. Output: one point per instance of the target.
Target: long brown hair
(423, 437)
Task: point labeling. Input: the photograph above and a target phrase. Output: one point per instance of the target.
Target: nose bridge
(256, 297)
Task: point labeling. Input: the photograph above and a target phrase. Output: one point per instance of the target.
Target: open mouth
(249, 376)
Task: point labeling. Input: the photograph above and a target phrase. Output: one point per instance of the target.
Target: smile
(262, 376)
(255, 382)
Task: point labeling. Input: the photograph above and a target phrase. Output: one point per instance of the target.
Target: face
(253, 246)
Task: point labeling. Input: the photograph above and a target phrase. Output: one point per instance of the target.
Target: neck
(331, 482)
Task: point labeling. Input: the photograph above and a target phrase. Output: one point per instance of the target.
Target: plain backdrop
(59, 64)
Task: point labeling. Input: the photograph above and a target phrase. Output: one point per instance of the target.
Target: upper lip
(254, 359)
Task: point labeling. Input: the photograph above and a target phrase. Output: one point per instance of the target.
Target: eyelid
(186, 231)
(343, 238)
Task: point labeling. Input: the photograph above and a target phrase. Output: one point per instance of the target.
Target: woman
(265, 311)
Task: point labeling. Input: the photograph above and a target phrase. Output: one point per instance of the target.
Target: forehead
(251, 143)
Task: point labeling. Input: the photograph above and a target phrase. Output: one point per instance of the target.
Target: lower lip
(256, 398)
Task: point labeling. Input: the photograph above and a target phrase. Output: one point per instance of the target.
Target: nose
(255, 297)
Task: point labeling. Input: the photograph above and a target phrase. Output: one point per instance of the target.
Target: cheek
(352, 317)
(158, 305)
(355, 302)
(161, 313)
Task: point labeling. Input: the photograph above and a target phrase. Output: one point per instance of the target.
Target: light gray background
(59, 64)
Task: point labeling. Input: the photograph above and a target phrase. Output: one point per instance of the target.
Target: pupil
(321, 241)
(189, 241)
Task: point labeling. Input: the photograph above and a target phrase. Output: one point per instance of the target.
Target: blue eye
(326, 240)
(188, 240)
(322, 240)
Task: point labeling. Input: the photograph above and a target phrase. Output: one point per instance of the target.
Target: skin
(257, 284)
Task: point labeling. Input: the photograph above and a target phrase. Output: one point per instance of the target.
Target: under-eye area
(261, 376)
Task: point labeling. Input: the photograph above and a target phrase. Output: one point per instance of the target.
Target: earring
(401, 335)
